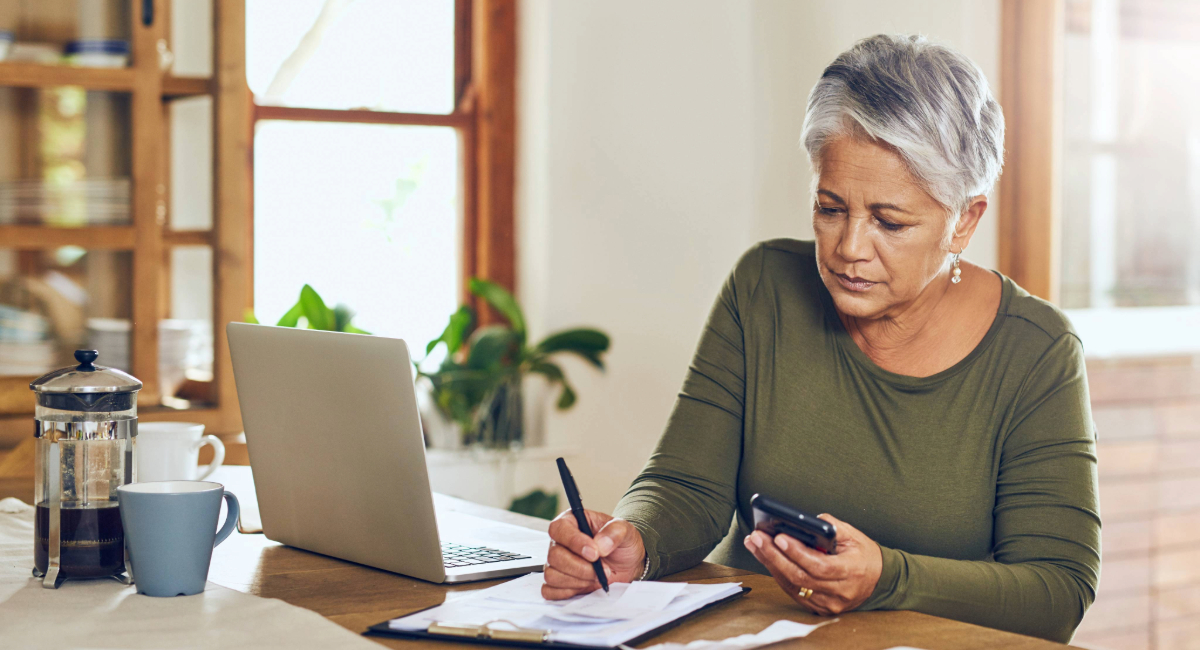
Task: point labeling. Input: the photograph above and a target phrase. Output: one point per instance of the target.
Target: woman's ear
(964, 227)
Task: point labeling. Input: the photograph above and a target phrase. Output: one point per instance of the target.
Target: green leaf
(248, 316)
(292, 317)
(536, 504)
(566, 399)
(457, 330)
(342, 315)
(492, 347)
(552, 372)
(458, 392)
(504, 302)
(585, 342)
(581, 338)
(319, 316)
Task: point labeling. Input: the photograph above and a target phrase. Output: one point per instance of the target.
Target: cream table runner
(97, 614)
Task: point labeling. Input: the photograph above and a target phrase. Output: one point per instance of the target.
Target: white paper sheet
(774, 633)
(638, 598)
(520, 602)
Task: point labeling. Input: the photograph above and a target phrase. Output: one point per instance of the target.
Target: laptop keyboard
(456, 555)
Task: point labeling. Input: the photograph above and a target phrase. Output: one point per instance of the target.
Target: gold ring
(805, 592)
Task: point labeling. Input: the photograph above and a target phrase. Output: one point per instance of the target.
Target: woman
(934, 408)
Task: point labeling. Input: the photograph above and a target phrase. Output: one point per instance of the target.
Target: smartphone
(775, 518)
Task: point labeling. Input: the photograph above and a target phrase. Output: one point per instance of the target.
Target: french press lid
(86, 387)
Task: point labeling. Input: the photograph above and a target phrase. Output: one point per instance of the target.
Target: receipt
(774, 633)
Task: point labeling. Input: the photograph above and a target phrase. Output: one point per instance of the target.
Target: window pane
(1131, 193)
(185, 340)
(192, 37)
(191, 124)
(368, 214)
(393, 55)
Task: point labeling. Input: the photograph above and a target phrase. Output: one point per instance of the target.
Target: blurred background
(604, 161)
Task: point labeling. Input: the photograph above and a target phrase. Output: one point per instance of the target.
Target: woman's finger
(559, 580)
(791, 579)
(815, 563)
(554, 593)
(773, 558)
(564, 530)
(840, 525)
(790, 589)
(561, 558)
(822, 604)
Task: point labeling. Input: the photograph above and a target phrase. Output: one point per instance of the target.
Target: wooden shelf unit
(147, 238)
(174, 87)
(118, 238)
(36, 75)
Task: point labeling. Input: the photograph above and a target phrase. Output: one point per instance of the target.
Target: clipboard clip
(486, 631)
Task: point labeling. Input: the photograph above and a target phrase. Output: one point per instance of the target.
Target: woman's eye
(889, 226)
(833, 212)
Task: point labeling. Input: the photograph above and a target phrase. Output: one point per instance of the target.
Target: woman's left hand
(839, 583)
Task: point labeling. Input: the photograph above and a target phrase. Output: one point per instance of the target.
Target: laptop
(335, 444)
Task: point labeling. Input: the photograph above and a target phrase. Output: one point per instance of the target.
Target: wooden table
(356, 597)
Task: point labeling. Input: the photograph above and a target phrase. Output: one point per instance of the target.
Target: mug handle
(218, 455)
(231, 517)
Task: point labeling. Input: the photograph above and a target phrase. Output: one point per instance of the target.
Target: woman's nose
(855, 245)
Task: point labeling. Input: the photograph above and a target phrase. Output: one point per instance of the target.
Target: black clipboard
(382, 629)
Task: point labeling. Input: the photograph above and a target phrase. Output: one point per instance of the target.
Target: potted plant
(316, 315)
(478, 385)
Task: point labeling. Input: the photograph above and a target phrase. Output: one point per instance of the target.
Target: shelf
(187, 238)
(36, 75)
(48, 237)
(174, 87)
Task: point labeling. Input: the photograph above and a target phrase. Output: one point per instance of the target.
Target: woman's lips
(854, 284)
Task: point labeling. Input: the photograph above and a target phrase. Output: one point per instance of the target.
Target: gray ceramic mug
(171, 530)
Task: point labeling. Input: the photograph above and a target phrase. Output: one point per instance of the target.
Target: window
(1131, 158)
(377, 175)
(1130, 247)
(1100, 199)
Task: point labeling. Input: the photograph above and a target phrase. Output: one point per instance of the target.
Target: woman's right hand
(569, 569)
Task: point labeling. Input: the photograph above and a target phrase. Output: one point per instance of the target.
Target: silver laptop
(335, 443)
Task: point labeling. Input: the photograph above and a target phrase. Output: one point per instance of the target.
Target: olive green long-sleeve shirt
(978, 482)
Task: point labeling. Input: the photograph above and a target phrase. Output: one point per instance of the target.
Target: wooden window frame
(484, 116)
(1029, 222)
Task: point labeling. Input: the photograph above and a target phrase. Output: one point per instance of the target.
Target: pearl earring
(955, 270)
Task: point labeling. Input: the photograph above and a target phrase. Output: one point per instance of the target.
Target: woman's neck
(935, 331)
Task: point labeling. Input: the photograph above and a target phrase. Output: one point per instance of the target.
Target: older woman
(933, 407)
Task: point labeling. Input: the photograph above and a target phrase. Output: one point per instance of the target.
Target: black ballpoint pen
(580, 516)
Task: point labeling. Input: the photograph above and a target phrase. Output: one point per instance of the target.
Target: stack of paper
(596, 619)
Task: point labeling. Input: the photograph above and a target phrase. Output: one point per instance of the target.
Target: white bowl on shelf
(98, 53)
(111, 338)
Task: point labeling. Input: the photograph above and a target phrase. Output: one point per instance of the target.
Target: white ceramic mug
(170, 451)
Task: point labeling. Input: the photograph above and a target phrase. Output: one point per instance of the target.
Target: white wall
(657, 142)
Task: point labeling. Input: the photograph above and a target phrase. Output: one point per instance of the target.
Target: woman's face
(881, 239)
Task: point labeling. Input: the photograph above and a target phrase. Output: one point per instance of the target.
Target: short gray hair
(926, 101)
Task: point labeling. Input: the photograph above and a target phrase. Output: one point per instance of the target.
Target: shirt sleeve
(684, 499)
(1045, 562)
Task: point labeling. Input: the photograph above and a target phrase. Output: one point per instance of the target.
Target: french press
(85, 425)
